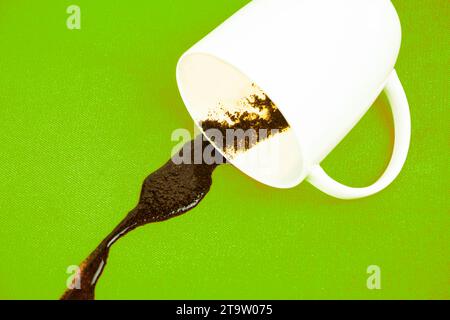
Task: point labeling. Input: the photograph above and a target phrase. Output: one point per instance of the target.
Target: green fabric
(86, 114)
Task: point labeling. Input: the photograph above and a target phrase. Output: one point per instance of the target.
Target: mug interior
(209, 85)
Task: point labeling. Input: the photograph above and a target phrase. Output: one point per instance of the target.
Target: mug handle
(402, 122)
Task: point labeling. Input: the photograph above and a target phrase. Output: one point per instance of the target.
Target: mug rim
(300, 176)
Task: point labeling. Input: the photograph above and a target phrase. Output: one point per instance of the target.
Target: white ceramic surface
(323, 63)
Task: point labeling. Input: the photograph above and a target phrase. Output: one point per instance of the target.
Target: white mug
(322, 62)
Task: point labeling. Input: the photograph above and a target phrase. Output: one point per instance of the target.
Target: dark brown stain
(172, 190)
(261, 119)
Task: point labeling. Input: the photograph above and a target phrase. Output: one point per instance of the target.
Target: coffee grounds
(168, 192)
(261, 118)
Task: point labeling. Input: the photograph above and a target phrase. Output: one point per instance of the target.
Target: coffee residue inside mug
(259, 118)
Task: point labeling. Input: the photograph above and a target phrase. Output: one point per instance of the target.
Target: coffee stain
(177, 188)
(172, 190)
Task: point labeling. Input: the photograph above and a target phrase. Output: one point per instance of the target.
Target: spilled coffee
(168, 192)
(177, 187)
